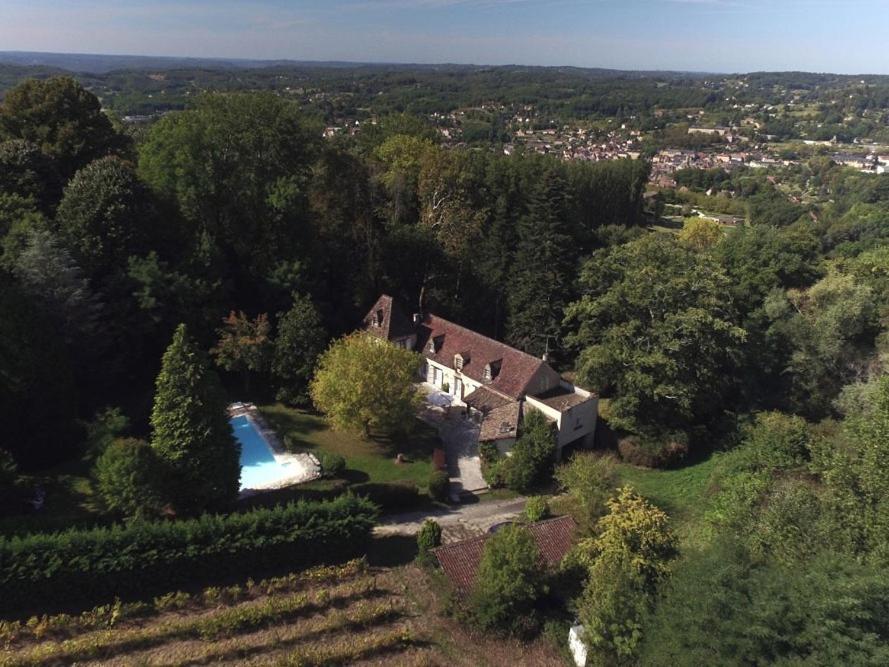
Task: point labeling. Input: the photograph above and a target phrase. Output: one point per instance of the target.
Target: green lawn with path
(367, 460)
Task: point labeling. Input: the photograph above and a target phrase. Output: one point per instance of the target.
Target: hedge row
(80, 567)
(397, 496)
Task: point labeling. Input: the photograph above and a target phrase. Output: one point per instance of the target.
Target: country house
(494, 381)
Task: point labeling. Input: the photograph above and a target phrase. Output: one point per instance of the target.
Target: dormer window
(488, 377)
(431, 346)
(458, 362)
(492, 369)
(378, 318)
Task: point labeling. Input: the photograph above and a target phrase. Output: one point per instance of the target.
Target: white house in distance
(496, 382)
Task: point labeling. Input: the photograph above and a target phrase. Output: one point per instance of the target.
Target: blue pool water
(258, 465)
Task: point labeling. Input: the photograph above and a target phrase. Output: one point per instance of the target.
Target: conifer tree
(544, 258)
(190, 431)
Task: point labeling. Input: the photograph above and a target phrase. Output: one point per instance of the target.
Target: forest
(760, 349)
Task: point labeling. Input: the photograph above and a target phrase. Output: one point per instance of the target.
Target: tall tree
(29, 173)
(299, 341)
(363, 383)
(655, 330)
(38, 398)
(244, 345)
(105, 216)
(238, 166)
(543, 267)
(190, 429)
(62, 119)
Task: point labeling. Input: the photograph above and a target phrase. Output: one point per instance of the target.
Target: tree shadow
(354, 476)
(392, 550)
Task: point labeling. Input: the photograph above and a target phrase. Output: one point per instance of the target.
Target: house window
(458, 362)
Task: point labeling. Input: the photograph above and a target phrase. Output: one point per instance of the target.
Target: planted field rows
(327, 616)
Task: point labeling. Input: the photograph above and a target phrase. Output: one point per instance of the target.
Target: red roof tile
(460, 560)
(387, 320)
(516, 367)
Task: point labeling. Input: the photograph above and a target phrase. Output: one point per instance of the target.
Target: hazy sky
(847, 36)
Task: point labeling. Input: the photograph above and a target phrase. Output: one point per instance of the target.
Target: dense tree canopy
(655, 328)
(62, 119)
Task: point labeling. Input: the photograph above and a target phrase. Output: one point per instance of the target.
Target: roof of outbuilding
(516, 368)
(460, 560)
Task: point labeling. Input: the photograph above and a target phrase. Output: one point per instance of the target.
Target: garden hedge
(49, 571)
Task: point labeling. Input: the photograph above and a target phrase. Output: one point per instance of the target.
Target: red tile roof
(460, 560)
(516, 367)
(387, 320)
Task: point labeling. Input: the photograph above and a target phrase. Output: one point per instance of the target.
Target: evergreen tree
(300, 341)
(541, 283)
(190, 430)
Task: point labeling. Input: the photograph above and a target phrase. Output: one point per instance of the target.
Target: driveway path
(459, 434)
(457, 522)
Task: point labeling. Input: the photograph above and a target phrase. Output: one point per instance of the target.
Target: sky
(843, 36)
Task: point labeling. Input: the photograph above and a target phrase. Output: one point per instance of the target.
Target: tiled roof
(516, 367)
(460, 560)
(387, 320)
(560, 398)
(484, 399)
(500, 422)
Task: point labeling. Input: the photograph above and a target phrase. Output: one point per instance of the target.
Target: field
(348, 614)
(370, 460)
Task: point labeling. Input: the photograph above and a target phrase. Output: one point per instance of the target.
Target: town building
(495, 382)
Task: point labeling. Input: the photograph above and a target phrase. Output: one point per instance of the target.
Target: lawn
(682, 493)
(367, 460)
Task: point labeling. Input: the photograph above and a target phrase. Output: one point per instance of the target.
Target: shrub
(428, 537)
(508, 582)
(654, 453)
(80, 566)
(590, 480)
(128, 478)
(331, 464)
(391, 496)
(439, 485)
(536, 509)
(533, 454)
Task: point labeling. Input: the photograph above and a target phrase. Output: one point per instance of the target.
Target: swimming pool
(259, 468)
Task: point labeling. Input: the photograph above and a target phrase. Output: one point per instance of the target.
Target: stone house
(495, 382)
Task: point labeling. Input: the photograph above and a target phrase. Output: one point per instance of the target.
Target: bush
(128, 476)
(533, 454)
(428, 537)
(331, 464)
(654, 453)
(146, 558)
(590, 480)
(391, 496)
(439, 485)
(508, 583)
(536, 509)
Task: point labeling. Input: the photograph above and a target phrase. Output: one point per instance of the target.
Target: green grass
(682, 493)
(367, 460)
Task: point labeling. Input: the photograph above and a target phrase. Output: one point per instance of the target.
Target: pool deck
(305, 466)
